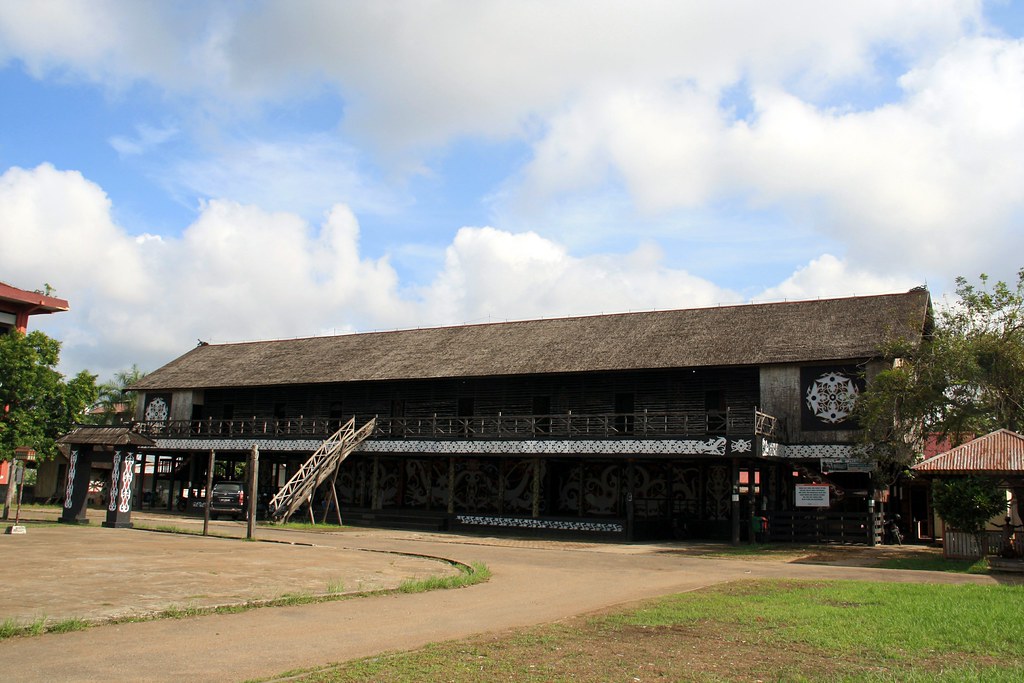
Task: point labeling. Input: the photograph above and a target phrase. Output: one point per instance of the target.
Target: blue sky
(253, 170)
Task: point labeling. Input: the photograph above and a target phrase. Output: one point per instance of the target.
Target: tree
(968, 503)
(115, 404)
(966, 378)
(38, 404)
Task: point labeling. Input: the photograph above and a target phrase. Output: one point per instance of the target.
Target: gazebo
(998, 456)
(89, 444)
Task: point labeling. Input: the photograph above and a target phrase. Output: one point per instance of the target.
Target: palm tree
(115, 405)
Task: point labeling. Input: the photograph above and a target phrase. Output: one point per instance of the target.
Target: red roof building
(1000, 453)
(16, 305)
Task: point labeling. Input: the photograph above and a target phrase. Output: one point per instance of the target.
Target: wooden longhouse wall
(595, 393)
(673, 478)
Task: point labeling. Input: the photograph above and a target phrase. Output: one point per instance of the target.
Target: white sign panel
(812, 496)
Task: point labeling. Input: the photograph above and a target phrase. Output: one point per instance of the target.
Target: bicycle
(893, 527)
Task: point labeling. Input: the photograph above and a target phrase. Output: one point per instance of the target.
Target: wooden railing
(640, 425)
(767, 425)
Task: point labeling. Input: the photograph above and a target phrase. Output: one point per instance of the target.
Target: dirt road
(533, 582)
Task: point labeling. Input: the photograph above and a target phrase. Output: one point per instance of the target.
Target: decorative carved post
(76, 492)
(119, 509)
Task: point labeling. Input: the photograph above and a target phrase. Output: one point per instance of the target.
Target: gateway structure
(701, 423)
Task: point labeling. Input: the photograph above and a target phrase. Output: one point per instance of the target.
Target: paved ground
(534, 582)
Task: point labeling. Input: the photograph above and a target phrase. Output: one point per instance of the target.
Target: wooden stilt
(333, 498)
(374, 488)
(337, 505)
(209, 491)
(501, 486)
(451, 485)
(536, 488)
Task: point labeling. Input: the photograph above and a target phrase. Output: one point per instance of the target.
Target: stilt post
(254, 468)
(209, 492)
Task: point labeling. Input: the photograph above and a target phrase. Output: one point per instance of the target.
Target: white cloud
(899, 184)
(493, 274)
(419, 74)
(146, 138)
(56, 226)
(117, 43)
(240, 272)
(237, 272)
(305, 175)
(828, 276)
(490, 69)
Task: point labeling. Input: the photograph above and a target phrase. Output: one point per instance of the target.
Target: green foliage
(116, 404)
(967, 504)
(965, 379)
(38, 404)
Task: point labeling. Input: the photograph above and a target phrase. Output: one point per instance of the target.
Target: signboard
(812, 495)
(845, 465)
(5, 469)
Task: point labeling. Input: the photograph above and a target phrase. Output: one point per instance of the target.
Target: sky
(230, 171)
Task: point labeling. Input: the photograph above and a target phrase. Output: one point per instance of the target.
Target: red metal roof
(21, 299)
(1000, 452)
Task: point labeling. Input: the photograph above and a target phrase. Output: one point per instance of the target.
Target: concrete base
(117, 525)
(16, 529)
(61, 520)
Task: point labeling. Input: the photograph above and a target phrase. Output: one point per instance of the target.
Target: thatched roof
(104, 436)
(999, 453)
(754, 334)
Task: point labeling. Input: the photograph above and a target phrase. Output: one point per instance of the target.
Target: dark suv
(228, 498)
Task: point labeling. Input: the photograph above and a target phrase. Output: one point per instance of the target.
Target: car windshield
(227, 488)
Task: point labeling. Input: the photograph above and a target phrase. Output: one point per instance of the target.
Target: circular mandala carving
(157, 410)
(831, 397)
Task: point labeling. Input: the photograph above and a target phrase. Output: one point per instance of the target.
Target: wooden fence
(960, 545)
(823, 527)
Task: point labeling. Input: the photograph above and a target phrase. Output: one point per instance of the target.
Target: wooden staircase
(323, 464)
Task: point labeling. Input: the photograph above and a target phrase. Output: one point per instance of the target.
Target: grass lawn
(748, 631)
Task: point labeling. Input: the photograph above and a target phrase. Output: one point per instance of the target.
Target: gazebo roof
(105, 436)
(998, 453)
